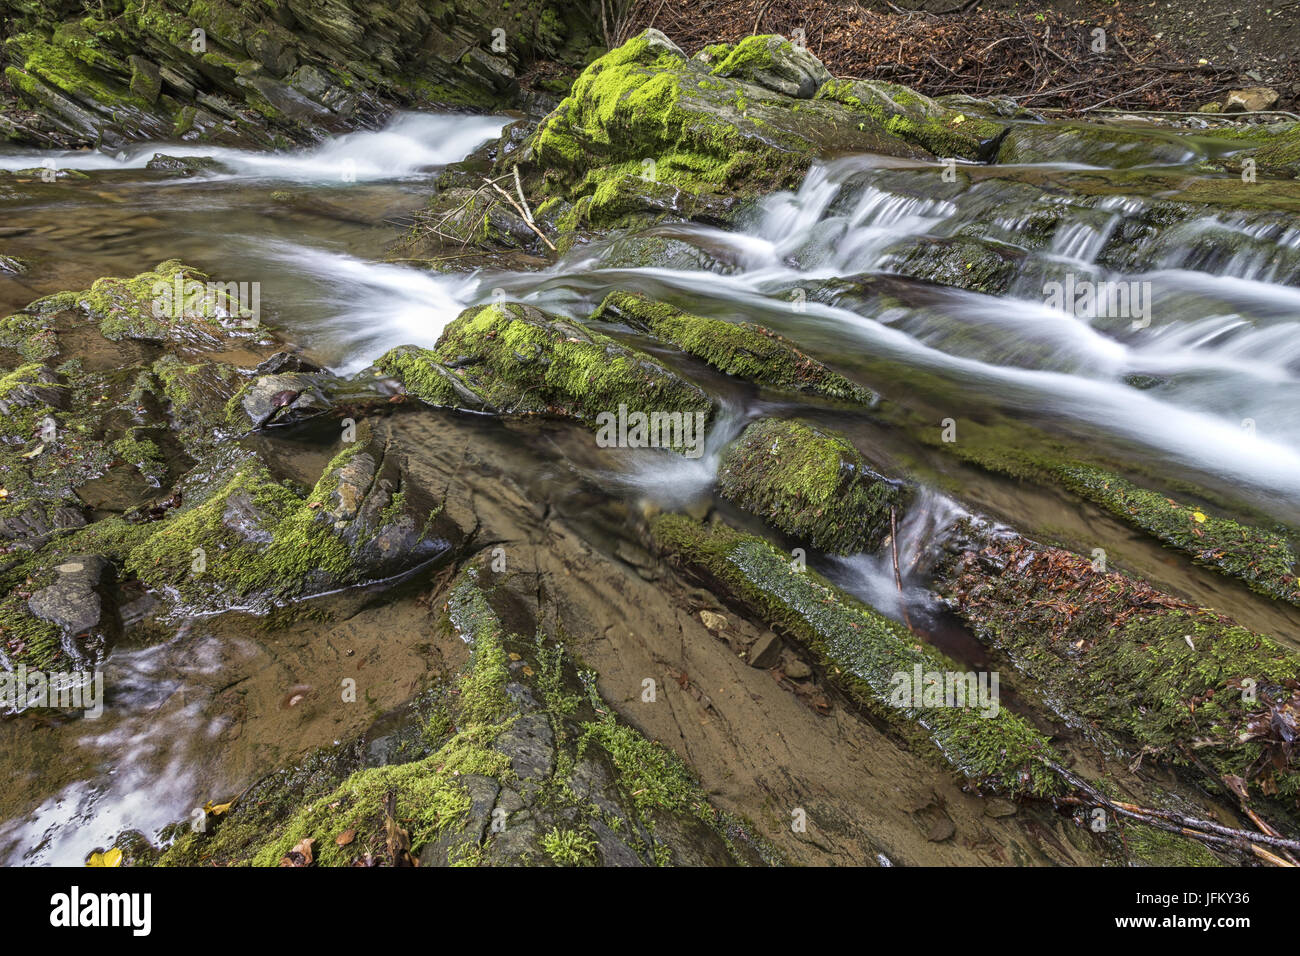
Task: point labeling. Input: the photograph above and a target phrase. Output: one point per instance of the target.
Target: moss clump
(809, 483)
(641, 102)
(742, 349)
(1261, 558)
(514, 359)
(252, 535)
(919, 119)
(569, 847)
(865, 651)
(1179, 682)
(1281, 154)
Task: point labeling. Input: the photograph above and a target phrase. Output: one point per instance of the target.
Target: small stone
(941, 829)
(714, 622)
(999, 808)
(766, 651)
(796, 669)
(1251, 100)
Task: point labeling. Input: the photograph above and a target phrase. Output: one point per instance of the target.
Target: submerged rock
(810, 483)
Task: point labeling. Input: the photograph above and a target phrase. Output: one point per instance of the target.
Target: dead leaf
(346, 837)
(299, 855)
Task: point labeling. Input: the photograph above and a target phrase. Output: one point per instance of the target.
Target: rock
(1251, 100)
(187, 165)
(282, 362)
(796, 669)
(714, 622)
(809, 483)
(515, 359)
(998, 808)
(73, 602)
(774, 63)
(766, 651)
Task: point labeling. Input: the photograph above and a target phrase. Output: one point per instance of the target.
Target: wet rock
(186, 165)
(810, 483)
(284, 399)
(774, 63)
(282, 362)
(860, 650)
(74, 602)
(743, 349)
(535, 772)
(515, 359)
(766, 651)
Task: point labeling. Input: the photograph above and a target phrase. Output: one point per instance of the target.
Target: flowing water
(1217, 347)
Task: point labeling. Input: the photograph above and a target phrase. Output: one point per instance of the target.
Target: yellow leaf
(217, 809)
(1198, 517)
(112, 858)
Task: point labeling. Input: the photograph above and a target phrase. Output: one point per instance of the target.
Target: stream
(1216, 350)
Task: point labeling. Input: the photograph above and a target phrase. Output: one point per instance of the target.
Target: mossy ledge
(1176, 682)
(864, 651)
(513, 359)
(810, 483)
(742, 349)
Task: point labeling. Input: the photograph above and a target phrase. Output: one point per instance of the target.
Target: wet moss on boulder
(965, 133)
(810, 483)
(865, 651)
(251, 539)
(743, 349)
(514, 359)
(1175, 682)
(646, 110)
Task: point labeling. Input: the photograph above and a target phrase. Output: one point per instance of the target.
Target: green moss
(1152, 671)
(1261, 558)
(749, 56)
(63, 68)
(569, 847)
(303, 548)
(742, 349)
(624, 109)
(513, 359)
(864, 651)
(809, 483)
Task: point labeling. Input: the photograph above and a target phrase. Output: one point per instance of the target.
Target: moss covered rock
(810, 483)
(865, 651)
(1178, 683)
(966, 133)
(645, 110)
(515, 359)
(521, 764)
(743, 349)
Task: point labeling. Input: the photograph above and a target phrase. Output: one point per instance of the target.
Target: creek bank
(271, 75)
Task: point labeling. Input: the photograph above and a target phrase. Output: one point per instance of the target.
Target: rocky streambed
(725, 463)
